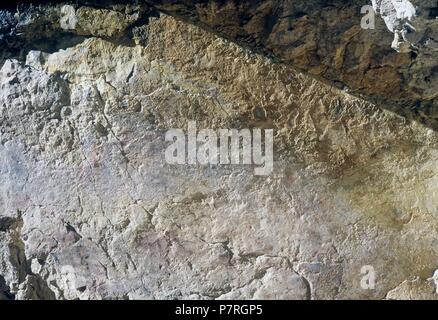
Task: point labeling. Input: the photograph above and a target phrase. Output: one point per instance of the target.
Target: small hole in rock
(433, 13)
(82, 289)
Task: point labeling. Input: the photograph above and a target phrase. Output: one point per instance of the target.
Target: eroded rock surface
(326, 40)
(323, 39)
(89, 208)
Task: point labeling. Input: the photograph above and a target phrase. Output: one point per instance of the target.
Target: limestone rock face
(391, 61)
(89, 208)
(327, 40)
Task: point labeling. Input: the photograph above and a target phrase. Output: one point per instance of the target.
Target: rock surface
(326, 40)
(323, 39)
(90, 210)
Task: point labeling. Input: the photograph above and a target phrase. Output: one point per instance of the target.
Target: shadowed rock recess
(89, 209)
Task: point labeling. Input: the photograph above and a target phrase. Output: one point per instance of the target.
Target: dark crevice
(433, 12)
(5, 291)
(7, 223)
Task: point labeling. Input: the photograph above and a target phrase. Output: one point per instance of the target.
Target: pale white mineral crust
(397, 15)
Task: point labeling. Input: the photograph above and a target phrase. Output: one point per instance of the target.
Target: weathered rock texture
(325, 39)
(322, 38)
(90, 210)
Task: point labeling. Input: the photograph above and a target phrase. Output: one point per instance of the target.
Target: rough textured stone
(327, 41)
(89, 208)
(323, 39)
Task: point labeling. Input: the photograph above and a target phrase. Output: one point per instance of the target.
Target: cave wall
(89, 209)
